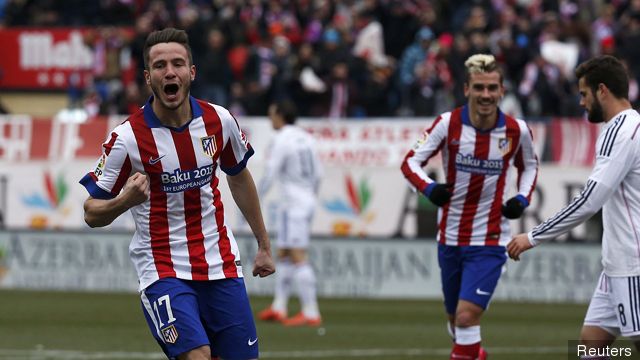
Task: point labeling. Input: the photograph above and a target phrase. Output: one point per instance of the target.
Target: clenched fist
(136, 190)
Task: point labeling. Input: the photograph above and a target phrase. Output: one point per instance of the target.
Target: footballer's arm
(581, 208)
(100, 212)
(244, 193)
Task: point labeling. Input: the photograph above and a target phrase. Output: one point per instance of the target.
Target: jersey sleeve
(426, 147)
(614, 159)
(111, 171)
(526, 162)
(236, 150)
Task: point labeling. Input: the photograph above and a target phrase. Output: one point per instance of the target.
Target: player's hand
(514, 207)
(136, 190)
(519, 244)
(439, 194)
(263, 265)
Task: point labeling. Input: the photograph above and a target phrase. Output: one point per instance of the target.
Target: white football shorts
(614, 306)
(294, 228)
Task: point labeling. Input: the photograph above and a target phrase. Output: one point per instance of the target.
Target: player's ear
(602, 88)
(147, 77)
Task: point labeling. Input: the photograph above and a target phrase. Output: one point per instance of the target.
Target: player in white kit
(294, 163)
(614, 186)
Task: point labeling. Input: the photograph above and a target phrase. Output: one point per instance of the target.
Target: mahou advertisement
(44, 59)
(56, 58)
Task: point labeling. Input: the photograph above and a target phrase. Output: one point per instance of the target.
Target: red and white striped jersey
(476, 162)
(180, 230)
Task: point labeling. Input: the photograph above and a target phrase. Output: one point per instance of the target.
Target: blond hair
(481, 63)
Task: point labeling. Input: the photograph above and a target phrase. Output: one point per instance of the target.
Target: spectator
(369, 44)
(340, 98)
(306, 85)
(215, 71)
(412, 56)
(361, 33)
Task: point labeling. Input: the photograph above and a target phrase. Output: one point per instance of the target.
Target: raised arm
(102, 212)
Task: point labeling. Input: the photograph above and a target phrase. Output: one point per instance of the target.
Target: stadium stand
(367, 58)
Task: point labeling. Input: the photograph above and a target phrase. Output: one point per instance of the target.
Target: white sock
(305, 280)
(284, 275)
(468, 335)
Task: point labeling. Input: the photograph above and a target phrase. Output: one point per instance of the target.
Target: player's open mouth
(171, 90)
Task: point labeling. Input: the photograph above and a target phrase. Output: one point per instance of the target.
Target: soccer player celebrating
(479, 143)
(614, 186)
(294, 162)
(162, 165)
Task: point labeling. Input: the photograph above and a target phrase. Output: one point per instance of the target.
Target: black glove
(439, 194)
(514, 207)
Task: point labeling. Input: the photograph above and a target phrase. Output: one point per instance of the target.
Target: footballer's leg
(607, 314)
(482, 267)
(449, 261)
(596, 337)
(467, 331)
(304, 277)
(171, 309)
(201, 353)
(305, 281)
(277, 311)
(227, 316)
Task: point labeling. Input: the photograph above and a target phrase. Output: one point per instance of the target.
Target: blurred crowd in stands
(349, 58)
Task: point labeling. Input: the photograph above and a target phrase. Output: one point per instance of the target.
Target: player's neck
(172, 117)
(616, 107)
(483, 122)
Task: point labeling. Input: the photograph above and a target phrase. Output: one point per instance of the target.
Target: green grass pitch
(63, 325)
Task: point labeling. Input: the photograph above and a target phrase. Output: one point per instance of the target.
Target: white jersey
(614, 186)
(180, 230)
(293, 160)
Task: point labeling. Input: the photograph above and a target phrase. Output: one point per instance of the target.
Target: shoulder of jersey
(631, 121)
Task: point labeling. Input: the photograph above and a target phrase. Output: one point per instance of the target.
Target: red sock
(465, 352)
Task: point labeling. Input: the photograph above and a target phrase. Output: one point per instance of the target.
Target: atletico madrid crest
(504, 144)
(170, 334)
(209, 145)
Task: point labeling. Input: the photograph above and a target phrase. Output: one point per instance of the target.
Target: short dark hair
(287, 109)
(607, 70)
(166, 36)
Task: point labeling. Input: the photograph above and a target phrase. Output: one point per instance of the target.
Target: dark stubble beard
(596, 115)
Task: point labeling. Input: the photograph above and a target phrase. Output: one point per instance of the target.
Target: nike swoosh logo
(480, 292)
(250, 343)
(153, 161)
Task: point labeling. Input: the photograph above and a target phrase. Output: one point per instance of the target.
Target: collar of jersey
(466, 119)
(153, 122)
